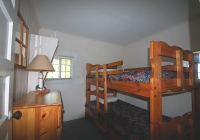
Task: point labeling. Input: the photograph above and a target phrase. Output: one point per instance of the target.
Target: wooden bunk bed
(153, 90)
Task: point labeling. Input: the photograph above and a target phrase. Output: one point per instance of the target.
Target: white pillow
(111, 98)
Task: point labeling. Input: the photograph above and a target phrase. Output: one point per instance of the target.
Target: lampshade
(40, 63)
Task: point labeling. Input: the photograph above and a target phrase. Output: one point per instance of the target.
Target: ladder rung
(108, 72)
(100, 94)
(99, 79)
(90, 92)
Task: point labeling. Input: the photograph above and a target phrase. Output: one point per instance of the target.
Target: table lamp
(40, 63)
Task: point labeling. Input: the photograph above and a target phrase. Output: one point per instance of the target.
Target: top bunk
(167, 79)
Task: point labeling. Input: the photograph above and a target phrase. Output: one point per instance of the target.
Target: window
(185, 64)
(197, 63)
(63, 68)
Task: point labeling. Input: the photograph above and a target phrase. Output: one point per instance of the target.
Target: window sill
(59, 81)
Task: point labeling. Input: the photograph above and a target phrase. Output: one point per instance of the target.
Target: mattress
(142, 76)
(129, 122)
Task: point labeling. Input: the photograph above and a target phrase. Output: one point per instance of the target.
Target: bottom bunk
(128, 122)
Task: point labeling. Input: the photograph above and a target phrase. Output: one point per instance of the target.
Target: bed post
(155, 96)
(105, 88)
(88, 86)
(97, 89)
(105, 95)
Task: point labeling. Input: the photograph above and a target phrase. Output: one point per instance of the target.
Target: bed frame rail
(159, 49)
(160, 85)
(112, 65)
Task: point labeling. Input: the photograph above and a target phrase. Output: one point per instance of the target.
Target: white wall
(137, 55)
(86, 51)
(27, 11)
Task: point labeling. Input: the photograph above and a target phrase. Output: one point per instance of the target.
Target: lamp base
(42, 91)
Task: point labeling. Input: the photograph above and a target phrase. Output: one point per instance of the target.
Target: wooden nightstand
(41, 117)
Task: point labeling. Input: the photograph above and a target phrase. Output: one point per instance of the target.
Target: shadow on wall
(194, 24)
(146, 106)
(194, 29)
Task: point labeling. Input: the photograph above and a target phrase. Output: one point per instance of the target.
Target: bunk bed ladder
(100, 80)
(101, 94)
(88, 89)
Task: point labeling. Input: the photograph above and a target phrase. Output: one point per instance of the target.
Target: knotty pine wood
(41, 117)
(112, 65)
(37, 100)
(155, 96)
(140, 89)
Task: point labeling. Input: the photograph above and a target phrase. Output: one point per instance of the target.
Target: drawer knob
(17, 115)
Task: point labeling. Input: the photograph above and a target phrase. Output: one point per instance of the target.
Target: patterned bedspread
(142, 76)
(127, 121)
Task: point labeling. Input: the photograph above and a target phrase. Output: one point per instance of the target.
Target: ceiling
(115, 21)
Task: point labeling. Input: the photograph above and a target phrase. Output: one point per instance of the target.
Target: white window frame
(64, 80)
(59, 72)
(185, 64)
